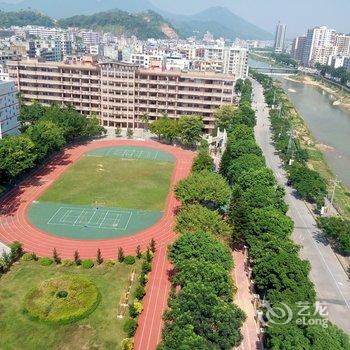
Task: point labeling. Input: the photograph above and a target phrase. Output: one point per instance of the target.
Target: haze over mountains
(218, 20)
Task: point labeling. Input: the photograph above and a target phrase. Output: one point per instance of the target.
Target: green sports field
(109, 192)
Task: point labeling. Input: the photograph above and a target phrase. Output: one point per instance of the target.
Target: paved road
(331, 282)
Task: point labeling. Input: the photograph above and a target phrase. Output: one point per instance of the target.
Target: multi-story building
(90, 38)
(236, 62)
(342, 42)
(319, 45)
(9, 109)
(298, 48)
(280, 37)
(346, 63)
(4, 74)
(120, 93)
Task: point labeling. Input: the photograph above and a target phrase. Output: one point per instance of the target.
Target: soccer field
(113, 182)
(109, 192)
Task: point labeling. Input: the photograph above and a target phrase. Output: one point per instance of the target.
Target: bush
(16, 250)
(45, 261)
(87, 264)
(67, 262)
(127, 344)
(135, 309)
(130, 327)
(129, 260)
(139, 292)
(146, 267)
(27, 257)
(109, 263)
(62, 300)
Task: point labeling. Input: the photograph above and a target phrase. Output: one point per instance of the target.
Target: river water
(330, 125)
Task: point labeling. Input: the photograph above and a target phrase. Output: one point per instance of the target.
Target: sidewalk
(244, 300)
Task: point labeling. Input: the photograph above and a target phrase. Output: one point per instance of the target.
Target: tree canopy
(204, 187)
(194, 217)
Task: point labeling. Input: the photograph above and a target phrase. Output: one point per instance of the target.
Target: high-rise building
(9, 109)
(319, 45)
(280, 37)
(298, 48)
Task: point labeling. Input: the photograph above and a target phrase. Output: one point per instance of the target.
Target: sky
(297, 14)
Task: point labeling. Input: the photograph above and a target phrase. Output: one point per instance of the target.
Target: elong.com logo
(301, 313)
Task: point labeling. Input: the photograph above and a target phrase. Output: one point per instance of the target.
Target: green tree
(239, 86)
(203, 161)
(30, 114)
(247, 162)
(204, 187)
(47, 137)
(224, 117)
(190, 129)
(284, 278)
(210, 316)
(201, 246)
(308, 183)
(17, 154)
(269, 220)
(194, 217)
(206, 273)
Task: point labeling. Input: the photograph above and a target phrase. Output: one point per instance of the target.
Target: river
(329, 125)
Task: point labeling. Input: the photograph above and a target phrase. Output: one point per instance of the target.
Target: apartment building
(280, 37)
(9, 109)
(319, 45)
(120, 93)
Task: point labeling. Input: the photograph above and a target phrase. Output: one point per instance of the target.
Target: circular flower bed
(62, 300)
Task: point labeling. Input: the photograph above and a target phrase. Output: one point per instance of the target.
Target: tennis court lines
(128, 153)
(91, 218)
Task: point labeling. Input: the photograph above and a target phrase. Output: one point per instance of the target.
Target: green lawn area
(101, 330)
(113, 182)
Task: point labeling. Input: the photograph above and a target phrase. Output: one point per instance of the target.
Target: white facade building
(236, 62)
(4, 75)
(9, 109)
(319, 45)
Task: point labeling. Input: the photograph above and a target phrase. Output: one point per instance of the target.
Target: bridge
(275, 70)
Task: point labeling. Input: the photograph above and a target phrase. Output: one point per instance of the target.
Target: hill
(23, 18)
(220, 21)
(144, 25)
(67, 8)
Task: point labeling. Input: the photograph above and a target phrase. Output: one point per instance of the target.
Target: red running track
(15, 226)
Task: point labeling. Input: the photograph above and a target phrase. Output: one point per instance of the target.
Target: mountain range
(220, 21)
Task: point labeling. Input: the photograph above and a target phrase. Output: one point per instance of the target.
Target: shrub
(129, 260)
(62, 300)
(127, 344)
(110, 263)
(67, 262)
(45, 261)
(146, 267)
(143, 279)
(27, 257)
(139, 292)
(130, 327)
(16, 250)
(135, 309)
(87, 264)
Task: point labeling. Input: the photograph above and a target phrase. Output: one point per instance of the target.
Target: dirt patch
(78, 337)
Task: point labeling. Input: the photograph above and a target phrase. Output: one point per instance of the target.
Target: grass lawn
(101, 330)
(113, 182)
